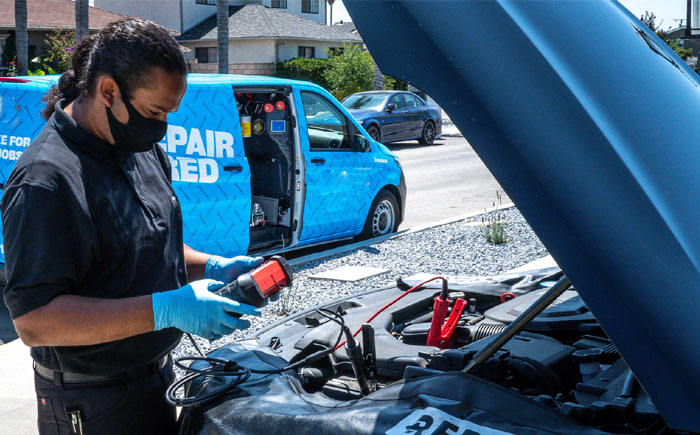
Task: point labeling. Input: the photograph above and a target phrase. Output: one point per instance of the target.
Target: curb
(341, 249)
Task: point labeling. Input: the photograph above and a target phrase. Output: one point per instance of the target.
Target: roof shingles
(256, 22)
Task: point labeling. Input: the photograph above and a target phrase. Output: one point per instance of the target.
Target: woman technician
(97, 270)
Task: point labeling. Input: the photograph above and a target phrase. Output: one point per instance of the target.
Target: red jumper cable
(393, 302)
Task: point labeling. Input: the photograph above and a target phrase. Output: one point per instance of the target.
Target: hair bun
(68, 85)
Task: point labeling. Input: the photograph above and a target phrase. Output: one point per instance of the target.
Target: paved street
(444, 180)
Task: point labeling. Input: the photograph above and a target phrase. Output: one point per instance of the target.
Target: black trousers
(125, 406)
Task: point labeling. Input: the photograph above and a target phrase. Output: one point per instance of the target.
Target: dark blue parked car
(391, 116)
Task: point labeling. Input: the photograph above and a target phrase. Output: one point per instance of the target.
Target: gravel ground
(454, 249)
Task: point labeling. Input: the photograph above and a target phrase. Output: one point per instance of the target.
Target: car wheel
(373, 132)
(428, 136)
(383, 216)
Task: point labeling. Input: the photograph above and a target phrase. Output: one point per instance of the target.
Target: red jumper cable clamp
(440, 335)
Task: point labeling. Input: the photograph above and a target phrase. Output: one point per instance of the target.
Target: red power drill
(254, 287)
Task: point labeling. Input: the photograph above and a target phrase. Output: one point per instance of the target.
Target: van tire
(382, 218)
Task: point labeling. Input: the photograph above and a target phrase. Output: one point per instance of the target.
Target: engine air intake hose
(484, 330)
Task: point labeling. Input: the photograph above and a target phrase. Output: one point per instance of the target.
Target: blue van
(260, 164)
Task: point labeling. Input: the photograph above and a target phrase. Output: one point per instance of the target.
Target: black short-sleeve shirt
(80, 218)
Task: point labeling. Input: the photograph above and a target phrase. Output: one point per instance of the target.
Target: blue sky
(665, 10)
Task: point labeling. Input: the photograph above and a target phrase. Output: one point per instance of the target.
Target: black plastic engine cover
(568, 312)
(444, 403)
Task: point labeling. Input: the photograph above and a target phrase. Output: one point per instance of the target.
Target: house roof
(51, 14)
(345, 26)
(259, 22)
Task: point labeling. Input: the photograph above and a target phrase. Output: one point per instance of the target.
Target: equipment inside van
(269, 148)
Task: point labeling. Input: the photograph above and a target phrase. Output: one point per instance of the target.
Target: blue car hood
(589, 122)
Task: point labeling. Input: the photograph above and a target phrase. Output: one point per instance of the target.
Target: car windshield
(365, 101)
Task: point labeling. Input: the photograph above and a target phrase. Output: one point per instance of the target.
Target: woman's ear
(107, 90)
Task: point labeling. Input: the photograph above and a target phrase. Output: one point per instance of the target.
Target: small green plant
(495, 224)
(285, 301)
(495, 228)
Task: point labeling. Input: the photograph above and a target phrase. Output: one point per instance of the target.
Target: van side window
(327, 127)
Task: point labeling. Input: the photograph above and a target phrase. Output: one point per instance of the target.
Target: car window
(398, 100)
(327, 127)
(412, 101)
(364, 101)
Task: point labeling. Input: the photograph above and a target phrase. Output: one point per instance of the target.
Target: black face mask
(139, 134)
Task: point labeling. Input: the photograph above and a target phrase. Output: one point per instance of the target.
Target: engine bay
(561, 360)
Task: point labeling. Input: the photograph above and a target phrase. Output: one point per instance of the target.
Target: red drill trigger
(439, 335)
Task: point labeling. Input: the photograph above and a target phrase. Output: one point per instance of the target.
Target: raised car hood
(589, 122)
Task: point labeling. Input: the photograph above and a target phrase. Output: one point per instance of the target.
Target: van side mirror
(390, 107)
(362, 145)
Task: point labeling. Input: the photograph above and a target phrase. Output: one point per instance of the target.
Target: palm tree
(82, 19)
(222, 35)
(330, 2)
(21, 36)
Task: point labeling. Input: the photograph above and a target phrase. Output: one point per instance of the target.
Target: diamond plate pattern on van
(20, 121)
(340, 191)
(215, 215)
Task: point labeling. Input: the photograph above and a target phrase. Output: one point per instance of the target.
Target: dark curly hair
(127, 50)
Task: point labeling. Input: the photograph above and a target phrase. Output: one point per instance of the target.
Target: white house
(182, 15)
(261, 32)
(259, 37)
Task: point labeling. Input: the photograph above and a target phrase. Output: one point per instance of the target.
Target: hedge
(299, 68)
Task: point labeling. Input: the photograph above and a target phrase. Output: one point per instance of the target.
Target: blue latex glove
(228, 269)
(194, 309)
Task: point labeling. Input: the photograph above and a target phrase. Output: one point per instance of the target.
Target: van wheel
(428, 136)
(373, 132)
(383, 216)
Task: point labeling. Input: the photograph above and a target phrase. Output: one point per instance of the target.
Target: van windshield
(365, 101)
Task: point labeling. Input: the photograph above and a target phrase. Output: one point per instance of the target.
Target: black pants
(126, 406)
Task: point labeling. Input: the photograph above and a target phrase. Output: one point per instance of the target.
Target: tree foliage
(350, 72)
(59, 50)
(392, 84)
(649, 18)
(310, 70)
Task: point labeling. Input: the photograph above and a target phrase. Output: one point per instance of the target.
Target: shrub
(392, 84)
(299, 68)
(350, 72)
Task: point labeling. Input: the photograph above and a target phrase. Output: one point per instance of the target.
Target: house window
(335, 51)
(307, 52)
(279, 4)
(205, 2)
(206, 54)
(309, 6)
